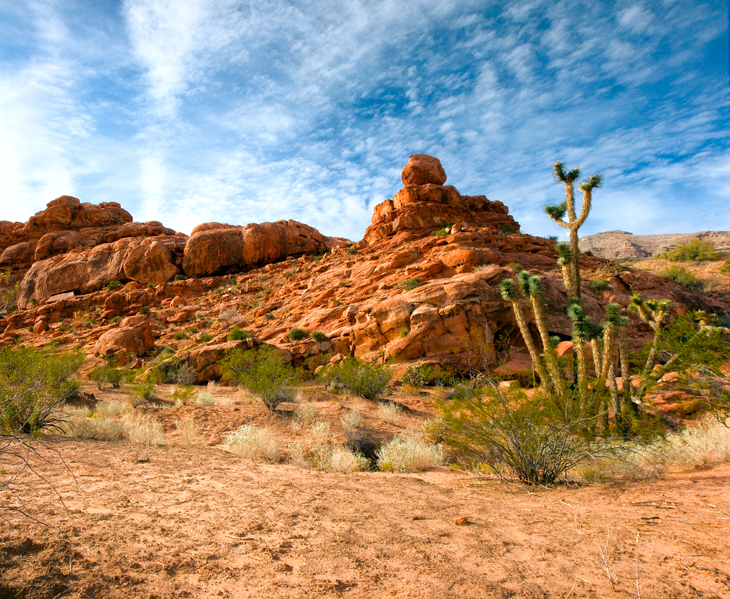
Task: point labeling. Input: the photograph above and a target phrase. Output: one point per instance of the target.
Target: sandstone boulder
(19, 255)
(149, 263)
(422, 169)
(132, 340)
(58, 242)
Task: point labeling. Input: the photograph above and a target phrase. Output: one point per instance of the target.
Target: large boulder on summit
(68, 212)
(149, 263)
(215, 249)
(422, 169)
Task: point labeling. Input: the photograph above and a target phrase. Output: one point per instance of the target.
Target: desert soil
(200, 522)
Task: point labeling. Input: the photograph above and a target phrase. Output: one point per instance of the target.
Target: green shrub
(237, 334)
(351, 251)
(179, 277)
(507, 229)
(529, 437)
(366, 380)
(514, 266)
(297, 334)
(695, 250)
(682, 276)
(417, 375)
(113, 286)
(144, 310)
(268, 316)
(410, 284)
(319, 337)
(725, 268)
(180, 335)
(184, 395)
(117, 319)
(143, 392)
(205, 337)
(441, 232)
(34, 385)
(109, 375)
(261, 373)
(599, 285)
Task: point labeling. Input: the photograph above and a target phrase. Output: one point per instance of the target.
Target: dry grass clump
(408, 454)
(143, 433)
(255, 443)
(188, 429)
(702, 444)
(317, 450)
(389, 412)
(352, 421)
(100, 424)
(305, 415)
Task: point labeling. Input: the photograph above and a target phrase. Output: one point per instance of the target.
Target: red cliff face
(423, 284)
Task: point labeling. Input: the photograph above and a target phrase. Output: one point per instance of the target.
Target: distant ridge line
(622, 244)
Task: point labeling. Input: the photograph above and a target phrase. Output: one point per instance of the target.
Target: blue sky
(187, 111)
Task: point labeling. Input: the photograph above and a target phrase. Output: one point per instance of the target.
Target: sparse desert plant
(319, 336)
(110, 375)
(116, 320)
(389, 412)
(142, 392)
(8, 293)
(255, 443)
(682, 276)
(417, 375)
(231, 315)
(180, 335)
(204, 399)
(410, 284)
(507, 229)
(188, 429)
(113, 286)
(599, 285)
(352, 421)
(143, 432)
(694, 251)
(297, 334)
(144, 310)
(409, 454)
(262, 373)
(305, 415)
(237, 334)
(366, 380)
(184, 395)
(725, 268)
(441, 232)
(101, 424)
(341, 459)
(205, 337)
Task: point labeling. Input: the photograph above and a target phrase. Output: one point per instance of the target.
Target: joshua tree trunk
(580, 354)
(551, 357)
(527, 336)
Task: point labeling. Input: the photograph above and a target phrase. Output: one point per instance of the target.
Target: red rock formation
(423, 169)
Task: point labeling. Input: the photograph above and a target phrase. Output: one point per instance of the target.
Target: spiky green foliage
(593, 182)
(599, 285)
(507, 289)
(584, 328)
(565, 255)
(535, 286)
(563, 175)
(523, 283)
(614, 317)
(556, 211)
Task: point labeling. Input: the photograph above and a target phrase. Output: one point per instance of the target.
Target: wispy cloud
(200, 110)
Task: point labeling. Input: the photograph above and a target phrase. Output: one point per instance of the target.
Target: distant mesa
(620, 245)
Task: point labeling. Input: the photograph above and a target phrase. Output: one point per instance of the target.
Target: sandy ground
(199, 522)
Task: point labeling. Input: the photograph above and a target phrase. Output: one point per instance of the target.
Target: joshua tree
(584, 331)
(509, 294)
(531, 286)
(558, 212)
(654, 313)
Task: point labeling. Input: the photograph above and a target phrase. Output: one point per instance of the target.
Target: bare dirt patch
(199, 522)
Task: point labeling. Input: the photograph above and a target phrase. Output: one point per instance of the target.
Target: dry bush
(189, 436)
(101, 424)
(304, 416)
(143, 433)
(255, 443)
(231, 315)
(408, 454)
(704, 443)
(389, 412)
(316, 450)
(352, 421)
(205, 399)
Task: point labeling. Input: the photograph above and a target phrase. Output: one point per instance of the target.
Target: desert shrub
(205, 337)
(180, 335)
(113, 286)
(366, 380)
(530, 437)
(142, 392)
(417, 375)
(297, 334)
(389, 412)
(110, 375)
(319, 337)
(408, 454)
(144, 310)
(117, 319)
(682, 276)
(268, 316)
(255, 443)
(507, 229)
(351, 251)
(342, 459)
(695, 250)
(184, 395)
(237, 334)
(143, 432)
(317, 450)
(204, 399)
(514, 266)
(188, 429)
(34, 386)
(304, 416)
(410, 284)
(231, 315)
(725, 268)
(599, 285)
(261, 373)
(351, 421)
(101, 424)
(441, 232)
(179, 277)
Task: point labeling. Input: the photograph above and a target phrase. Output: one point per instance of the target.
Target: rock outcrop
(621, 245)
